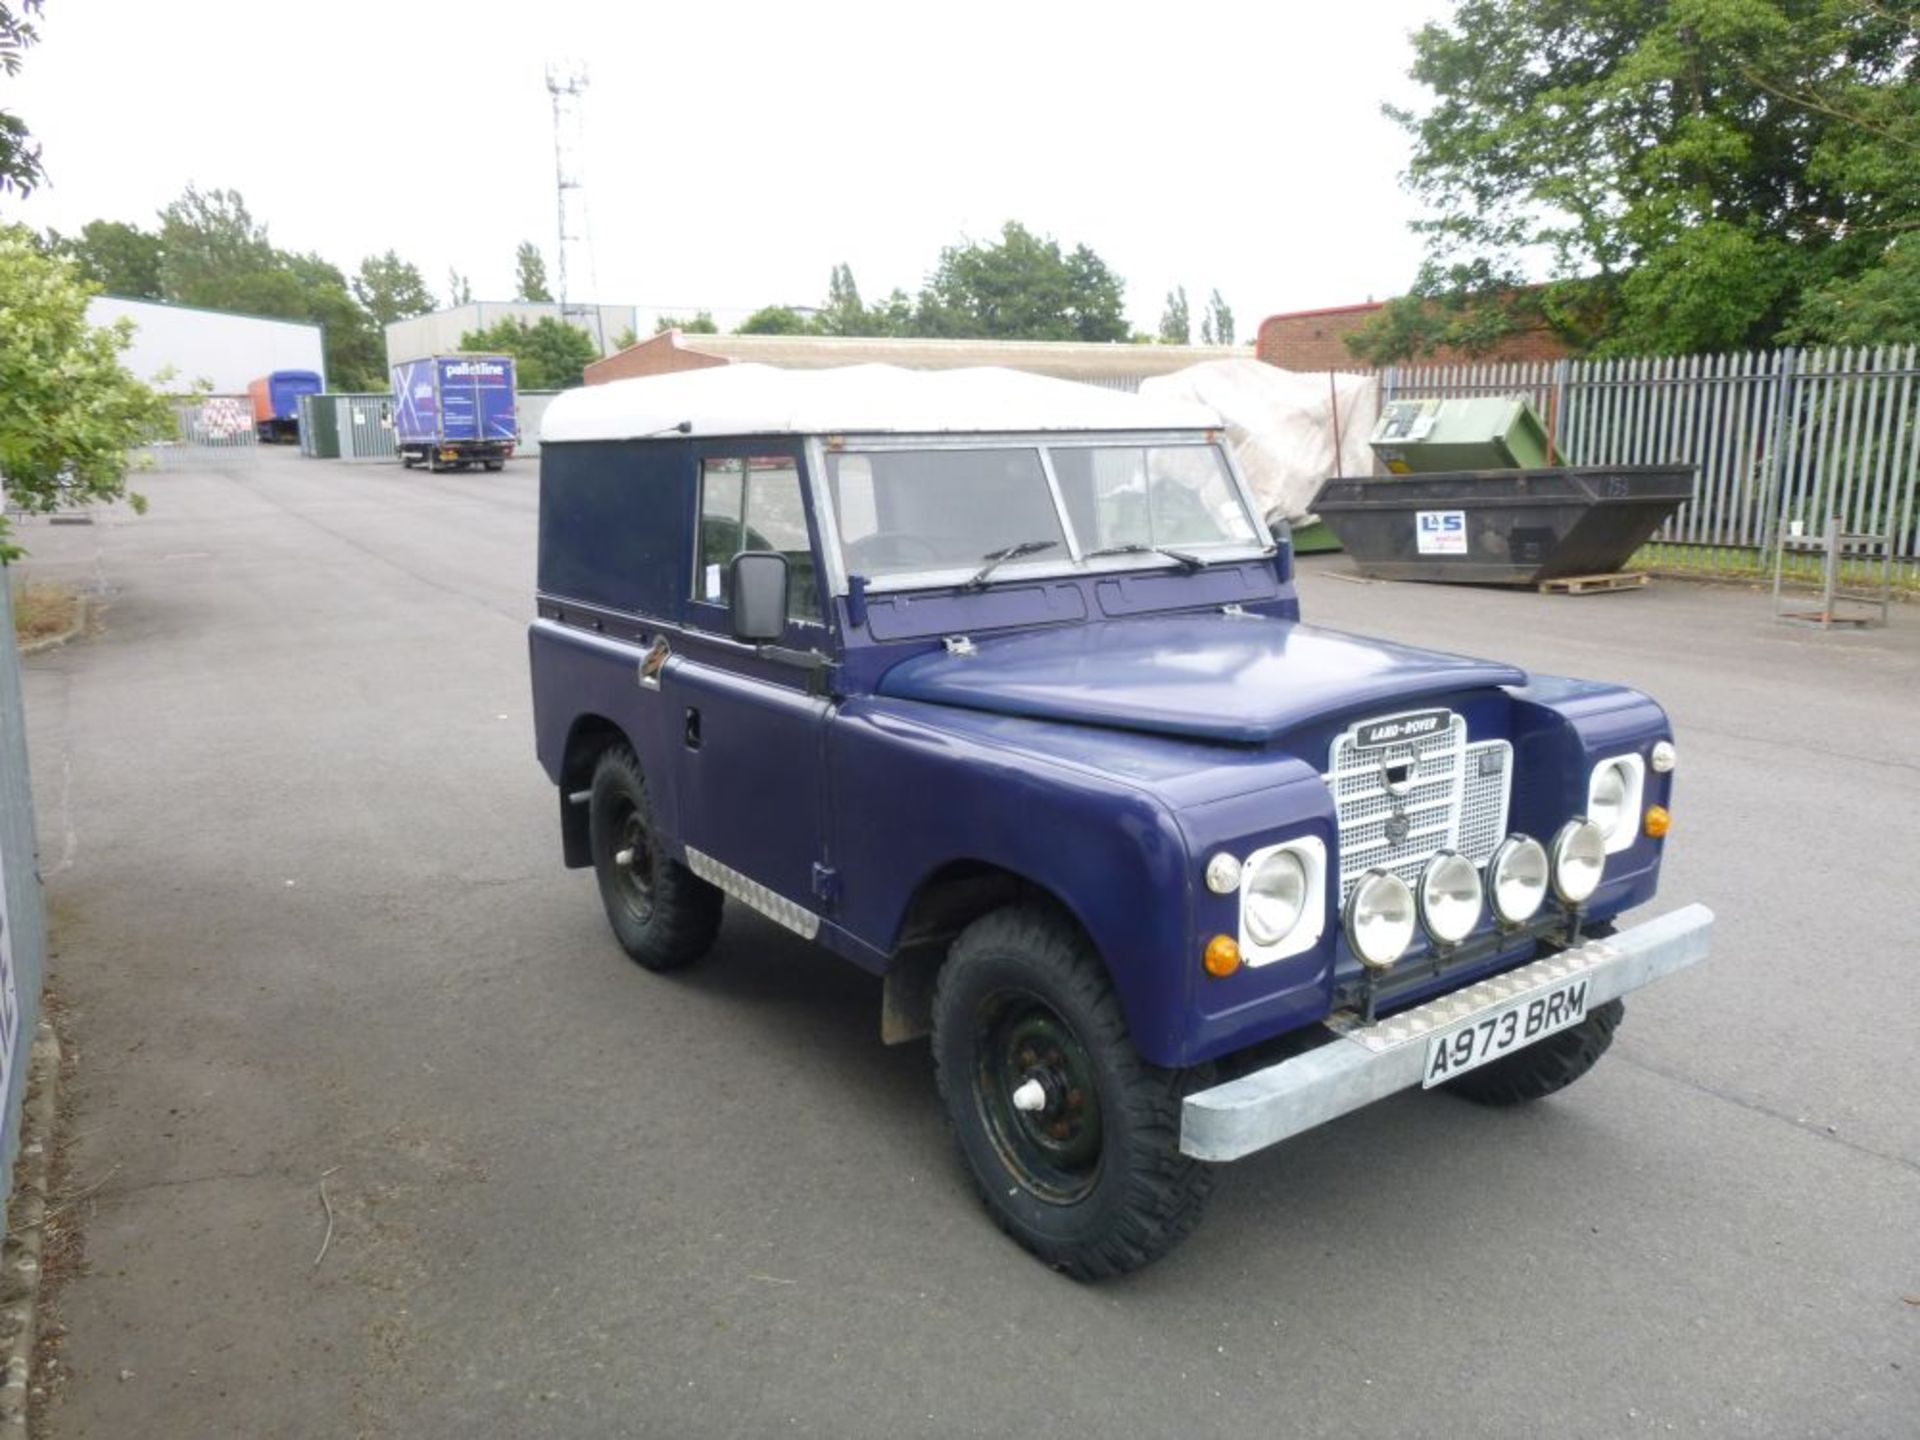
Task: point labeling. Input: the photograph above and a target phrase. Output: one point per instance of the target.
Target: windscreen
(906, 510)
(901, 512)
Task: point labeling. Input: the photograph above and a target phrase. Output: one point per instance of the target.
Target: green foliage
(20, 169)
(1696, 171)
(844, 313)
(459, 292)
(1021, 287)
(69, 410)
(530, 274)
(121, 259)
(702, 323)
(391, 288)
(548, 354)
(1176, 325)
(775, 320)
(209, 245)
(1880, 307)
(213, 253)
(1216, 328)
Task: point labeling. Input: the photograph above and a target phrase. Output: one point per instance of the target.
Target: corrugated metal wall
(23, 923)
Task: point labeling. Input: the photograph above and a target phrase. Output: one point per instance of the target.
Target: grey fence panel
(23, 916)
(1774, 436)
(212, 430)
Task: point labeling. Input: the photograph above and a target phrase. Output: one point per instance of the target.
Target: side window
(754, 503)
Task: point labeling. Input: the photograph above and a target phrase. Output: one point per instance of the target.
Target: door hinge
(826, 885)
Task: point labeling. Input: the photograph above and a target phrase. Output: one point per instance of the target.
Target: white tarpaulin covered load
(1282, 424)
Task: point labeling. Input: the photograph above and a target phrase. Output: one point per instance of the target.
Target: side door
(751, 731)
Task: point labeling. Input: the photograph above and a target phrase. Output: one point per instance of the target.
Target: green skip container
(1502, 527)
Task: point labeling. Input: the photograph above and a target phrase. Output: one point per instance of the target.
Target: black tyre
(663, 915)
(1544, 1066)
(1092, 1181)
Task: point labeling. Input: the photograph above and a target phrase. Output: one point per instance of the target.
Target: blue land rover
(997, 686)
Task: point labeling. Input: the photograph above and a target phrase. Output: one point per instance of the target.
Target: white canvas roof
(854, 400)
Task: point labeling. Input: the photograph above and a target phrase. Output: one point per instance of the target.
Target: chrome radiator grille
(1399, 803)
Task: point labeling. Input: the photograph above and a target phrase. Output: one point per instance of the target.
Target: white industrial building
(440, 332)
(178, 347)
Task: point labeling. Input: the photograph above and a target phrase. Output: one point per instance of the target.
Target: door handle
(693, 728)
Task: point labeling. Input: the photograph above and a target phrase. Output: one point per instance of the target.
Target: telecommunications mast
(567, 85)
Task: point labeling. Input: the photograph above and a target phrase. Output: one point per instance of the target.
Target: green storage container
(1421, 437)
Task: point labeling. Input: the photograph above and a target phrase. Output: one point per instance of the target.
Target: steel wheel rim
(1054, 1152)
(633, 882)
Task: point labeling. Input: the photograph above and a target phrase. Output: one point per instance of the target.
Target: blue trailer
(276, 403)
(455, 411)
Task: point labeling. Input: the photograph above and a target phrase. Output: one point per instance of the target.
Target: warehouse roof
(853, 400)
(1118, 365)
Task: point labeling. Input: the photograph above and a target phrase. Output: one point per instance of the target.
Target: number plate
(1518, 1023)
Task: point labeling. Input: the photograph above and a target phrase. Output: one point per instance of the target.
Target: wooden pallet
(1595, 584)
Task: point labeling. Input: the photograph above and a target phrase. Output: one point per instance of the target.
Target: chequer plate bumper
(1370, 1062)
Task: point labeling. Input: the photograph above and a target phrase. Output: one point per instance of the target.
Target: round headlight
(1608, 798)
(1450, 897)
(1276, 893)
(1579, 857)
(1223, 874)
(1379, 919)
(1663, 757)
(1517, 878)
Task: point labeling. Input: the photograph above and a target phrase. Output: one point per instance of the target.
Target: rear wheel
(663, 915)
(1072, 1139)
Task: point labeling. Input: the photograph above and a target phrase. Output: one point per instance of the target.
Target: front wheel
(1072, 1139)
(663, 915)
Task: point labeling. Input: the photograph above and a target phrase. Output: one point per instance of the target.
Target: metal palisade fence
(23, 926)
(1776, 437)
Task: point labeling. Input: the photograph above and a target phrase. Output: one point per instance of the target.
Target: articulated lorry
(455, 411)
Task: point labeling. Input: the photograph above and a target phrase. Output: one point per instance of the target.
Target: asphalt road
(311, 921)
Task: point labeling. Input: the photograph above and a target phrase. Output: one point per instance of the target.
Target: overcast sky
(734, 153)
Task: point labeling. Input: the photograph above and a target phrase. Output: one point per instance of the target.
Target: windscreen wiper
(995, 558)
(1187, 563)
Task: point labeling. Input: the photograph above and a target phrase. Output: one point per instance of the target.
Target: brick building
(1317, 340)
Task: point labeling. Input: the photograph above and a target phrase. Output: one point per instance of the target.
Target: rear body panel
(456, 401)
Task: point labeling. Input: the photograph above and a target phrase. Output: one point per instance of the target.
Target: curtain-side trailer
(455, 411)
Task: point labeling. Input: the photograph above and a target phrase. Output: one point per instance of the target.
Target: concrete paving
(311, 922)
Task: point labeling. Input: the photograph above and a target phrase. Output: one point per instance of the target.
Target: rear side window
(754, 503)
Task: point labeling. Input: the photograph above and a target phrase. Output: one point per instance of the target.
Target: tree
(356, 350)
(702, 323)
(1879, 307)
(69, 410)
(548, 354)
(1697, 172)
(1216, 327)
(1021, 288)
(20, 168)
(1176, 328)
(843, 314)
(775, 320)
(530, 273)
(459, 292)
(121, 259)
(391, 288)
(210, 245)
(214, 253)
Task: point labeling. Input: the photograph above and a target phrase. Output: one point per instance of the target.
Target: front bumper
(1369, 1062)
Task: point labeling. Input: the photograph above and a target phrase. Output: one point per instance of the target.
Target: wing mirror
(758, 581)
